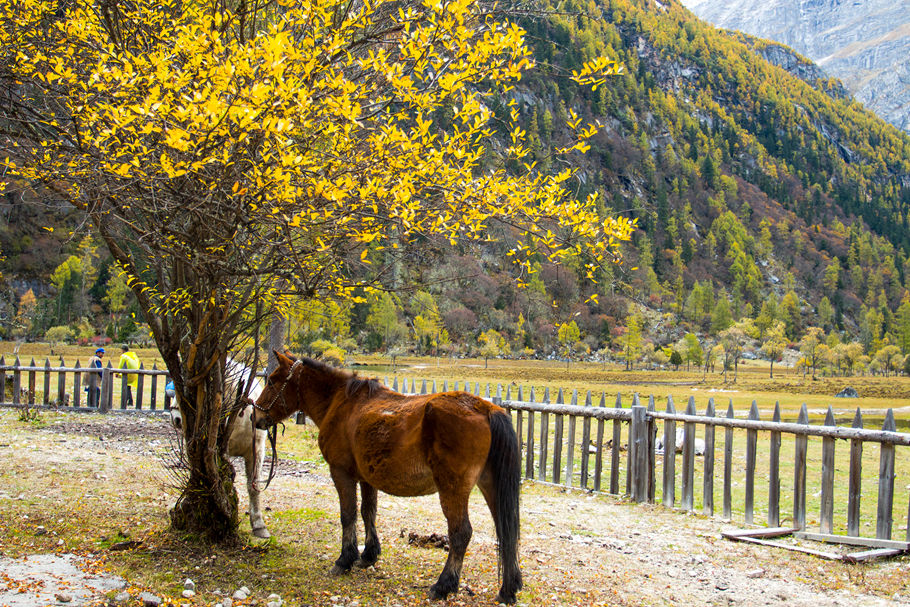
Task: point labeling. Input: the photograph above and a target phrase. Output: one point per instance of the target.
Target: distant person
(129, 360)
(92, 378)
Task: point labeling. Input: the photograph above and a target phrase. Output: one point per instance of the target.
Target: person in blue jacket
(92, 378)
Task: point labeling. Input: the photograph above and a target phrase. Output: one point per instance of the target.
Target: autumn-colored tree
(233, 157)
(382, 320)
(693, 352)
(809, 346)
(631, 341)
(568, 335)
(492, 344)
(25, 314)
(733, 340)
(774, 345)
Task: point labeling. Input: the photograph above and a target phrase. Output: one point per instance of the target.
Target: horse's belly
(404, 481)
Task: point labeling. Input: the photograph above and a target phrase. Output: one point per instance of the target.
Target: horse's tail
(503, 466)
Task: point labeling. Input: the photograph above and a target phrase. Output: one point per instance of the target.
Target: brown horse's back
(398, 442)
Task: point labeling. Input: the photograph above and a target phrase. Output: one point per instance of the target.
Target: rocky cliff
(866, 44)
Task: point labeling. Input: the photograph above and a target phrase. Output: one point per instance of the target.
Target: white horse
(680, 439)
(241, 441)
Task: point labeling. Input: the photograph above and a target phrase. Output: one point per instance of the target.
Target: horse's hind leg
(455, 509)
(371, 548)
(347, 501)
(253, 463)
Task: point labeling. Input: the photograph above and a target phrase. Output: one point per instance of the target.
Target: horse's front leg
(253, 463)
(371, 548)
(347, 501)
(455, 509)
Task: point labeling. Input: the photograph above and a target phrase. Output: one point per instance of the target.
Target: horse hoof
(262, 532)
(507, 600)
(336, 571)
(362, 564)
(437, 595)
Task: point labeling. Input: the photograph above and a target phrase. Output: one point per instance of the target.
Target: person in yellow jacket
(129, 360)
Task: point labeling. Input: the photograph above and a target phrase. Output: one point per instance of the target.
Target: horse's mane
(353, 383)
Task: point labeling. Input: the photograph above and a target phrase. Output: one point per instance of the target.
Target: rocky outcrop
(864, 44)
(801, 67)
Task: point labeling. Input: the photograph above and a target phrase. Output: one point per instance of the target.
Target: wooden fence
(612, 449)
(70, 387)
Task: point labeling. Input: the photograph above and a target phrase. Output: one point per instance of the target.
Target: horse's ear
(283, 360)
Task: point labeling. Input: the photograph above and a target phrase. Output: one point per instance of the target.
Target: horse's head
(280, 395)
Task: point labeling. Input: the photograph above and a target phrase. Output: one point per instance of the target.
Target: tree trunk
(208, 505)
(276, 336)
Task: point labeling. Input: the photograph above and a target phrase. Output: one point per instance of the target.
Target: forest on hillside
(772, 214)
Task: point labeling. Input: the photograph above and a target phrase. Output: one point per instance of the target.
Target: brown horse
(405, 445)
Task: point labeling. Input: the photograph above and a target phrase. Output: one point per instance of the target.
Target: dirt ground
(576, 548)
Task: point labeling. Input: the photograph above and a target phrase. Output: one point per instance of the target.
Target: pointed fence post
(544, 438)
(652, 457)
(557, 441)
(728, 465)
(614, 449)
(153, 388)
(77, 384)
(47, 382)
(708, 491)
(17, 381)
(638, 445)
(529, 456)
(799, 472)
(107, 391)
(32, 383)
(598, 456)
(61, 385)
(688, 460)
(570, 443)
(774, 473)
(855, 486)
(826, 516)
(751, 453)
(669, 487)
(585, 445)
(886, 483)
(140, 384)
(2, 380)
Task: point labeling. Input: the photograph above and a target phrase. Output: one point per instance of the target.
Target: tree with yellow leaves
(233, 157)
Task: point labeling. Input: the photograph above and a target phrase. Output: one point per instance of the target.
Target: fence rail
(620, 450)
(574, 445)
(105, 389)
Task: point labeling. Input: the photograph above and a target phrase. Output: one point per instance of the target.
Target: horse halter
(272, 432)
(280, 394)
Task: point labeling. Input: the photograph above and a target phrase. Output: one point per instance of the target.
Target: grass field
(68, 491)
(753, 383)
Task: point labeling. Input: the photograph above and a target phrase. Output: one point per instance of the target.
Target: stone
(847, 392)
(63, 597)
(189, 584)
(149, 600)
(187, 593)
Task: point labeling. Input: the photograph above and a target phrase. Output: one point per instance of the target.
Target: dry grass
(64, 489)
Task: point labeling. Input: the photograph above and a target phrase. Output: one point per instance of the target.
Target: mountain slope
(760, 188)
(864, 44)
